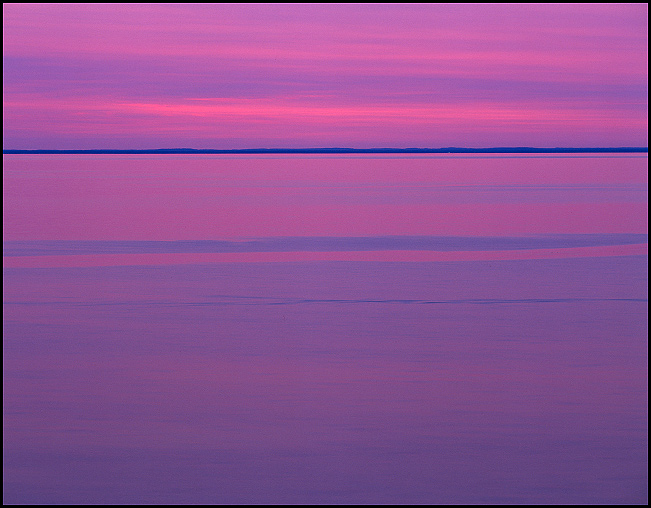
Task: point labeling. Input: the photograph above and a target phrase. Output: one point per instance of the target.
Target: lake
(307, 329)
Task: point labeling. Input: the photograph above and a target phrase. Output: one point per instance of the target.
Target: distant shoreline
(259, 151)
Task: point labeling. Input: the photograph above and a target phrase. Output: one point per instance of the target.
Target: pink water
(357, 372)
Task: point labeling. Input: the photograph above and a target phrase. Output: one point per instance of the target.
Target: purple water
(512, 381)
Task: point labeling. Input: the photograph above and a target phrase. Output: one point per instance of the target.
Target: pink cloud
(92, 75)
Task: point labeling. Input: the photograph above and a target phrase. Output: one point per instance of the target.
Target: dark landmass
(254, 151)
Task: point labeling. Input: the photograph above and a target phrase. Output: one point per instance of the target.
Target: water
(144, 366)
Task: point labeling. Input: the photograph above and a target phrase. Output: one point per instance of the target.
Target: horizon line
(333, 150)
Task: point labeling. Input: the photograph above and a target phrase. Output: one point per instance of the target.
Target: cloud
(503, 70)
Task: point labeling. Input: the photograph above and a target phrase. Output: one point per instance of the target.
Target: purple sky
(313, 75)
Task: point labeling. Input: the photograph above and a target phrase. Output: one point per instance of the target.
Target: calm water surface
(354, 354)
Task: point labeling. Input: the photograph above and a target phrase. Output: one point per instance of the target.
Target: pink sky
(312, 75)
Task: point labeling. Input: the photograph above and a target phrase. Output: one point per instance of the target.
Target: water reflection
(336, 384)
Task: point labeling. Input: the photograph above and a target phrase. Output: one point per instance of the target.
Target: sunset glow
(262, 75)
(325, 254)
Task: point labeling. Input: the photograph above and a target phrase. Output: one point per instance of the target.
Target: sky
(228, 76)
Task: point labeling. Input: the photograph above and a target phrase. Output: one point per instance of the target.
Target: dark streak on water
(322, 244)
